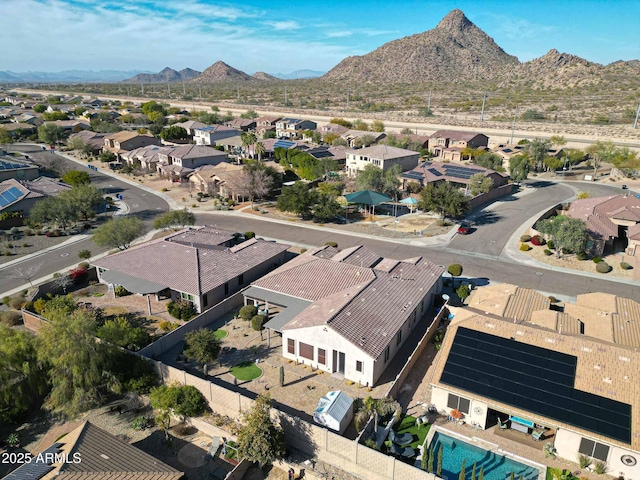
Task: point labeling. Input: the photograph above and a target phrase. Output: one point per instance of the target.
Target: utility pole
(184, 89)
(169, 88)
(285, 94)
(635, 123)
(200, 90)
(347, 99)
(142, 87)
(484, 98)
(513, 126)
(238, 94)
(429, 103)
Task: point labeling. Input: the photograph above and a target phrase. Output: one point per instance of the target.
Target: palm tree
(260, 150)
(246, 141)
(375, 408)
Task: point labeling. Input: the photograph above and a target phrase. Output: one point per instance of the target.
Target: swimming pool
(496, 467)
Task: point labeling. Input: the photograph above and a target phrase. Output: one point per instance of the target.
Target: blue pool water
(496, 467)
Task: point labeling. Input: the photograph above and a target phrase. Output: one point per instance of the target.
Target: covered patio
(368, 197)
(137, 285)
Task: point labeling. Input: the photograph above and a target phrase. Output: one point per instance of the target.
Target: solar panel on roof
(460, 172)
(9, 196)
(435, 172)
(535, 379)
(4, 165)
(283, 144)
(413, 175)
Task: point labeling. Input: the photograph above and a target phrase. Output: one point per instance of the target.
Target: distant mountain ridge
(69, 76)
(165, 75)
(221, 72)
(299, 74)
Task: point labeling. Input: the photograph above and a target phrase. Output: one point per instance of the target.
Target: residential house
(12, 167)
(211, 134)
(20, 196)
(506, 152)
(126, 141)
(293, 127)
(190, 126)
(332, 128)
(608, 219)
(217, 179)
(61, 107)
(198, 265)
(88, 452)
(443, 139)
(93, 139)
(71, 125)
(339, 153)
(19, 129)
(347, 312)
(192, 156)
(242, 124)
(95, 103)
(266, 123)
(146, 158)
(354, 136)
(419, 141)
(457, 175)
(544, 375)
(28, 118)
(382, 156)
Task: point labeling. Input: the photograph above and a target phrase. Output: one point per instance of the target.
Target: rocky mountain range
(264, 77)
(457, 49)
(165, 75)
(66, 76)
(221, 72)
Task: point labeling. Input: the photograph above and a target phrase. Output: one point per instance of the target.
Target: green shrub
(548, 252)
(625, 266)
(302, 250)
(84, 265)
(120, 291)
(10, 318)
(258, 321)
(181, 310)
(39, 305)
(600, 467)
(584, 461)
(17, 303)
(551, 245)
(6, 300)
(331, 244)
(249, 235)
(525, 238)
(603, 267)
(597, 260)
(141, 423)
(164, 189)
(525, 247)
(581, 256)
(167, 326)
(248, 312)
(28, 232)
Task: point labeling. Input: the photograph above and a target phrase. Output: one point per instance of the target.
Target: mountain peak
(221, 72)
(454, 21)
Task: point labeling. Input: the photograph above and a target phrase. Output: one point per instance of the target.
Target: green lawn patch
(407, 424)
(220, 334)
(246, 371)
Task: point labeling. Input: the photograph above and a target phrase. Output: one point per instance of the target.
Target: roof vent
(104, 456)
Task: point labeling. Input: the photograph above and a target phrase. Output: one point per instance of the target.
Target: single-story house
(347, 312)
(382, 156)
(202, 265)
(216, 179)
(93, 139)
(126, 141)
(88, 452)
(192, 156)
(453, 173)
(453, 138)
(579, 394)
(609, 218)
(332, 128)
(16, 196)
(71, 125)
(19, 129)
(242, 124)
(12, 167)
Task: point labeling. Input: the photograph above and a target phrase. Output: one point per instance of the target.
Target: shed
(334, 411)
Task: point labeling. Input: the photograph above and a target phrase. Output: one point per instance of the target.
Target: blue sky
(287, 35)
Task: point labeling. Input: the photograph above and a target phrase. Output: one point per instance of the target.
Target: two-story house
(445, 139)
(127, 141)
(292, 127)
(266, 123)
(243, 124)
(381, 156)
(210, 134)
(192, 156)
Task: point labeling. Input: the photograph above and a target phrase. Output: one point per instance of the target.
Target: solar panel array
(459, 171)
(532, 378)
(10, 196)
(413, 175)
(4, 165)
(283, 144)
(435, 172)
(319, 152)
(38, 467)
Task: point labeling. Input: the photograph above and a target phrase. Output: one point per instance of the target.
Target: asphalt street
(141, 204)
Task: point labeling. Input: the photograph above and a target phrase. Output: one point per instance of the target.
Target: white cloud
(284, 25)
(338, 34)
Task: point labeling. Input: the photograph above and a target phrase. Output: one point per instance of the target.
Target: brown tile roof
(122, 136)
(106, 457)
(558, 321)
(366, 306)
(434, 171)
(524, 302)
(602, 369)
(206, 236)
(454, 135)
(196, 151)
(598, 212)
(268, 118)
(508, 300)
(46, 186)
(634, 232)
(194, 270)
(383, 152)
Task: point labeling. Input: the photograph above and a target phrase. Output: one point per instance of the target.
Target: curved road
(141, 204)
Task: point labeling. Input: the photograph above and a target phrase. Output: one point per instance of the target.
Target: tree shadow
(298, 433)
(487, 218)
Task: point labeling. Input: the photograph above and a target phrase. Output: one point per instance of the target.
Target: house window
(593, 449)
(386, 354)
(359, 366)
(322, 356)
(458, 403)
(241, 279)
(291, 346)
(399, 337)
(306, 350)
(226, 288)
(186, 296)
(204, 301)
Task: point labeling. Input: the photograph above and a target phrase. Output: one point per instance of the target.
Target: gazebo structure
(368, 197)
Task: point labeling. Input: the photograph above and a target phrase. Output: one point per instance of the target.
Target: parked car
(464, 229)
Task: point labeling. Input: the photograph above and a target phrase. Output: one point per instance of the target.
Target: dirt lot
(13, 246)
